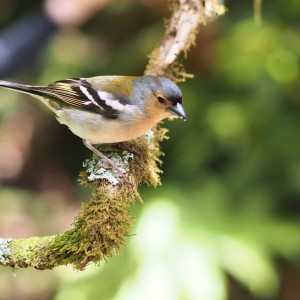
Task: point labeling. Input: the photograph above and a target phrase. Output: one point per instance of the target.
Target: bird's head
(162, 96)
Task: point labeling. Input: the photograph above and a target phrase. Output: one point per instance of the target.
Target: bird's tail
(28, 89)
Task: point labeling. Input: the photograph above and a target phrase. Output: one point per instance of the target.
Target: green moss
(26, 252)
(101, 228)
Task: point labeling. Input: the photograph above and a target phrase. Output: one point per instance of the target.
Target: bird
(108, 109)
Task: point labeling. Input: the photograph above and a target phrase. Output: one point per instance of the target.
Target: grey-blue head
(167, 94)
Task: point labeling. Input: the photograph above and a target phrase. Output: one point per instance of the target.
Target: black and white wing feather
(77, 92)
(80, 93)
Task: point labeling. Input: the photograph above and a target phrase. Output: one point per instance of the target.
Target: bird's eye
(161, 100)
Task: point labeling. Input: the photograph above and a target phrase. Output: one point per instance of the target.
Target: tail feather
(28, 89)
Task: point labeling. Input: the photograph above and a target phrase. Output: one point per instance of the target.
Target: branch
(180, 35)
(103, 224)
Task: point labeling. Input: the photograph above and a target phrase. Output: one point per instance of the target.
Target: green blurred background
(225, 222)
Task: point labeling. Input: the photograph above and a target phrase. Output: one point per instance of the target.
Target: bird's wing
(80, 93)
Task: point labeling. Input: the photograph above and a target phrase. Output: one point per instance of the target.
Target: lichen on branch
(180, 36)
(103, 224)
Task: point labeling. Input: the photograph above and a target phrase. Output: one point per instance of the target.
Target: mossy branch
(180, 36)
(103, 224)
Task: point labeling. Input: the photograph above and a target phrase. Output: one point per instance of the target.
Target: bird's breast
(100, 130)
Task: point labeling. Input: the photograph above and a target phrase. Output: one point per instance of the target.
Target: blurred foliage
(225, 223)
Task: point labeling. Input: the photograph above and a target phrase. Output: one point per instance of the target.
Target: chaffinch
(108, 109)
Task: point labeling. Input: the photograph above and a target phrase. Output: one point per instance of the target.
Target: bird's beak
(177, 111)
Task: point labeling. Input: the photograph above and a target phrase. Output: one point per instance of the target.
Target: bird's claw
(116, 169)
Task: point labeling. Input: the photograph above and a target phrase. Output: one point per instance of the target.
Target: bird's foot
(118, 169)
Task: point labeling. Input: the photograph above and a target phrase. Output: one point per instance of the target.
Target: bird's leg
(115, 167)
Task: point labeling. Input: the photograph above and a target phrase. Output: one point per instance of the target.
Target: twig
(180, 35)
